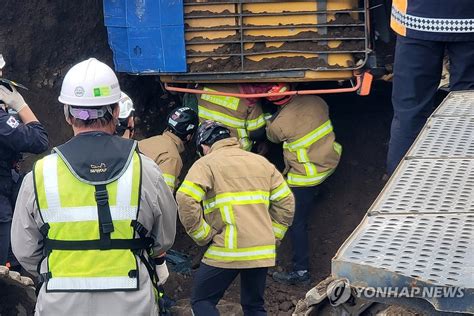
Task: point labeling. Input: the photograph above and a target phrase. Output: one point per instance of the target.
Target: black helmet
(183, 122)
(210, 132)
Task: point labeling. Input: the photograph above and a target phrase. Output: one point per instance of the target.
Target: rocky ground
(40, 41)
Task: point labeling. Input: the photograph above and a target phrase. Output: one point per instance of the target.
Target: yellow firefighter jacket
(309, 148)
(232, 112)
(238, 202)
(165, 150)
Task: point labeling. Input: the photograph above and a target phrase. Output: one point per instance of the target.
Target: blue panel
(115, 13)
(146, 35)
(172, 12)
(143, 13)
(174, 49)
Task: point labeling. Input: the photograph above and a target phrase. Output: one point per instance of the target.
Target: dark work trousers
(417, 73)
(210, 284)
(5, 228)
(304, 198)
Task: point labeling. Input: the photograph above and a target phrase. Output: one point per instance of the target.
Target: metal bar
(219, 15)
(263, 95)
(275, 52)
(274, 39)
(239, 76)
(257, 27)
(241, 31)
(322, 4)
(235, 2)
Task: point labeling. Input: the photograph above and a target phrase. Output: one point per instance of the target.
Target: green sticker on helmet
(101, 92)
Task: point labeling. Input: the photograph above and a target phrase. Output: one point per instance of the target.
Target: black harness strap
(44, 229)
(106, 225)
(132, 244)
(44, 277)
(139, 228)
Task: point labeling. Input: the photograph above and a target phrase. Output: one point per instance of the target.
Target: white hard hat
(90, 83)
(126, 106)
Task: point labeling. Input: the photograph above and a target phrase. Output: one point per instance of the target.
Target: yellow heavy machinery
(246, 41)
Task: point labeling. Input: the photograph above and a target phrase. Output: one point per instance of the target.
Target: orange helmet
(279, 99)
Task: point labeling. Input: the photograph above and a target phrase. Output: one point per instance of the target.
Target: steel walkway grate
(445, 137)
(435, 248)
(429, 186)
(458, 104)
(420, 230)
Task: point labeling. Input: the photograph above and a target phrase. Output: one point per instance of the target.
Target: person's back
(241, 187)
(311, 155)
(310, 142)
(166, 149)
(94, 215)
(239, 204)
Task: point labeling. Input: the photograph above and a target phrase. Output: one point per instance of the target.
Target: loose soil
(335, 33)
(206, 13)
(307, 44)
(308, 47)
(41, 40)
(233, 64)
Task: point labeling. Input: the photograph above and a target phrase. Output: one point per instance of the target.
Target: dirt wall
(42, 39)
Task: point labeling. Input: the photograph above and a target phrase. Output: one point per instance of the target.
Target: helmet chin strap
(109, 109)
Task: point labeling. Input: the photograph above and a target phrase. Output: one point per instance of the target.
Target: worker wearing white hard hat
(126, 123)
(95, 216)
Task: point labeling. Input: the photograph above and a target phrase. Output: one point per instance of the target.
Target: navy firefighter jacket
(434, 20)
(15, 138)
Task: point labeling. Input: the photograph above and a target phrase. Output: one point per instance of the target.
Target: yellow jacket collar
(179, 143)
(224, 143)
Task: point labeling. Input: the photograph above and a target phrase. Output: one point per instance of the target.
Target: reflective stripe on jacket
(309, 148)
(232, 112)
(166, 151)
(239, 202)
(69, 207)
(436, 20)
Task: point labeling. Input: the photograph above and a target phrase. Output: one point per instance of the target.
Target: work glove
(12, 99)
(162, 273)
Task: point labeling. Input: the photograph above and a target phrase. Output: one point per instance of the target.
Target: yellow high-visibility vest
(80, 257)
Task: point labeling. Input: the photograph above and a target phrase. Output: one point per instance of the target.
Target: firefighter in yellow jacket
(240, 204)
(243, 117)
(311, 155)
(166, 149)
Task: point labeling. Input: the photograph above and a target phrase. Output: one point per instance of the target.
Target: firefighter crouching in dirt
(90, 212)
(126, 120)
(240, 204)
(311, 155)
(166, 149)
(27, 135)
(243, 117)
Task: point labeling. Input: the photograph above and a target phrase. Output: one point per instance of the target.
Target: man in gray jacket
(95, 216)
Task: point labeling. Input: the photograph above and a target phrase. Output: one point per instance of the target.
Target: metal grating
(460, 103)
(435, 248)
(445, 137)
(420, 230)
(429, 186)
(264, 36)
